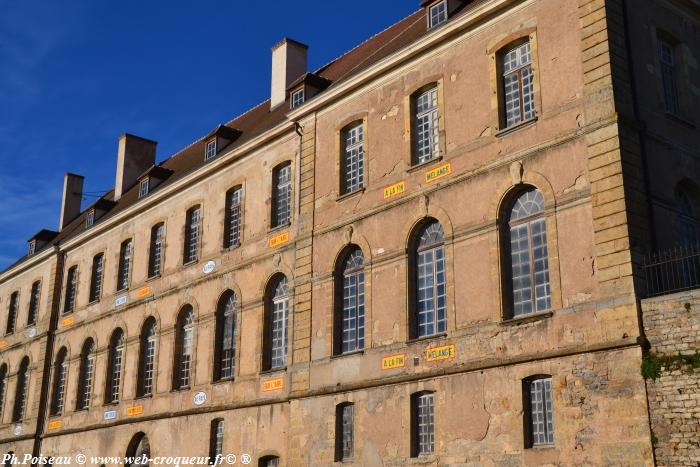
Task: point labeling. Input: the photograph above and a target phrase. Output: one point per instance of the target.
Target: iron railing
(674, 270)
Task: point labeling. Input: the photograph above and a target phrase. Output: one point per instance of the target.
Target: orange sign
(278, 240)
(440, 353)
(395, 189)
(134, 410)
(55, 424)
(3, 344)
(438, 173)
(143, 292)
(273, 384)
(67, 321)
(394, 361)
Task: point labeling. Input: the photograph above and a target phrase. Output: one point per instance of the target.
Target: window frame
(34, 303)
(126, 252)
(19, 410)
(183, 368)
(341, 273)
(115, 367)
(418, 426)
(669, 71)
(12, 309)
(148, 357)
(233, 221)
(90, 218)
(156, 250)
(440, 20)
(88, 357)
(435, 115)
(144, 187)
(60, 383)
(71, 291)
(223, 372)
(281, 190)
(348, 153)
(31, 248)
(97, 278)
(296, 101)
(210, 149)
(273, 300)
(217, 433)
(344, 435)
(193, 235)
(548, 414)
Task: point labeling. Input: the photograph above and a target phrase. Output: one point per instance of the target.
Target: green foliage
(651, 367)
(652, 364)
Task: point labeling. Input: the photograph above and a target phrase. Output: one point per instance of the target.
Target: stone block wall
(672, 326)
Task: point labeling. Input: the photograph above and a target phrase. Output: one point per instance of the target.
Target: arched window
(225, 348)
(350, 302)
(216, 440)
(269, 461)
(12, 313)
(526, 259)
(428, 283)
(138, 451)
(34, 303)
(275, 325)
(87, 373)
(60, 376)
(147, 358)
(114, 367)
(184, 348)
(21, 391)
(3, 387)
(688, 225)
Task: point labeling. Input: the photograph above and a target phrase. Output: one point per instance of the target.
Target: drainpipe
(48, 357)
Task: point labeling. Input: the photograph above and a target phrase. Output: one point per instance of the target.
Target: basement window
(437, 14)
(297, 98)
(90, 219)
(144, 186)
(211, 150)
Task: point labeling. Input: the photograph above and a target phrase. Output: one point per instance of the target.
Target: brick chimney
(288, 63)
(134, 157)
(72, 196)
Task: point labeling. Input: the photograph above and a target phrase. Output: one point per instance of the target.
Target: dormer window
(144, 185)
(297, 98)
(90, 219)
(437, 14)
(32, 248)
(211, 150)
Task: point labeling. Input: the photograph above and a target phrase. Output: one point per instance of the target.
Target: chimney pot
(134, 156)
(72, 197)
(289, 62)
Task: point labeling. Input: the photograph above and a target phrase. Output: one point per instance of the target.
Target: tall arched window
(12, 312)
(147, 358)
(275, 325)
(21, 391)
(34, 303)
(428, 282)
(3, 387)
(60, 376)
(350, 302)
(225, 348)
(87, 374)
(688, 225)
(184, 348)
(527, 264)
(114, 367)
(139, 450)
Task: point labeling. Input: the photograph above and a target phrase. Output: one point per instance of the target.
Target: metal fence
(673, 270)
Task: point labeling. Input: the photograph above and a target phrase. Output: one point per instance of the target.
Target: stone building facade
(429, 251)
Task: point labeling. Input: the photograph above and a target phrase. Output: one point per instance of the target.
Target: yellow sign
(394, 361)
(143, 292)
(273, 384)
(278, 240)
(440, 353)
(395, 189)
(55, 424)
(3, 344)
(438, 173)
(67, 321)
(134, 410)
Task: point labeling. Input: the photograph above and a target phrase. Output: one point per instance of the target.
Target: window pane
(124, 266)
(667, 60)
(233, 218)
(280, 310)
(426, 424)
(227, 350)
(518, 88)
(156, 254)
(71, 284)
(353, 161)
(431, 282)
(353, 326)
(282, 195)
(348, 414)
(438, 14)
(426, 126)
(541, 415)
(192, 228)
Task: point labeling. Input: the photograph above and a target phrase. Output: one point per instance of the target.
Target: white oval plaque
(209, 267)
(18, 430)
(200, 398)
(110, 414)
(31, 332)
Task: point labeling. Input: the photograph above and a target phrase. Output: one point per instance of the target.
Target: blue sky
(75, 75)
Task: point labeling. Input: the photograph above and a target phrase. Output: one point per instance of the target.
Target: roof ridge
(347, 52)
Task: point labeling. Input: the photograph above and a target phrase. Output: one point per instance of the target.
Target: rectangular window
(281, 195)
(667, 60)
(96, 279)
(34, 303)
(233, 216)
(31, 248)
(88, 372)
(353, 158)
(149, 359)
(518, 86)
(216, 440)
(71, 285)
(423, 424)
(192, 225)
(425, 126)
(211, 150)
(90, 218)
(344, 432)
(280, 310)
(438, 14)
(155, 258)
(12, 313)
(538, 410)
(297, 98)
(144, 186)
(124, 265)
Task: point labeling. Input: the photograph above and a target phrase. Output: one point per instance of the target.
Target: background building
(435, 249)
